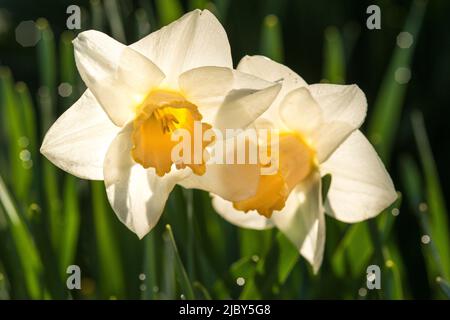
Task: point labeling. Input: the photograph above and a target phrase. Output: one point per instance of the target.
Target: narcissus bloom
(318, 135)
(120, 129)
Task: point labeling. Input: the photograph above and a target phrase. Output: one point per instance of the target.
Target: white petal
(197, 39)
(77, 142)
(270, 70)
(360, 185)
(242, 107)
(300, 112)
(302, 220)
(137, 195)
(249, 220)
(233, 182)
(206, 87)
(344, 108)
(227, 98)
(118, 76)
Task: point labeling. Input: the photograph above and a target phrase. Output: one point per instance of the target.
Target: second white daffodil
(318, 135)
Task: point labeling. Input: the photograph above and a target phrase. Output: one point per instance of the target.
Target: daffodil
(120, 129)
(318, 135)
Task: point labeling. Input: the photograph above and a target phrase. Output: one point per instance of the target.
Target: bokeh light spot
(27, 34)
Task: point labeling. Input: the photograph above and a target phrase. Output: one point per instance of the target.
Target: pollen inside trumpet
(296, 160)
(157, 118)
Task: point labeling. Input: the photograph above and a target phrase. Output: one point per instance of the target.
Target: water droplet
(362, 292)
(65, 89)
(255, 258)
(423, 207)
(389, 263)
(240, 281)
(142, 276)
(143, 287)
(395, 212)
(405, 40)
(182, 297)
(23, 142)
(402, 75)
(27, 34)
(27, 164)
(25, 155)
(425, 239)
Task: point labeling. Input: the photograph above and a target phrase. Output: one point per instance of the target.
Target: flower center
(157, 118)
(296, 160)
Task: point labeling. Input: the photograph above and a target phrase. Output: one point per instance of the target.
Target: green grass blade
(112, 10)
(109, 261)
(19, 155)
(181, 273)
(98, 18)
(4, 285)
(413, 185)
(29, 117)
(271, 39)
(47, 72)
(198, 4)
(440, 233)
(392, 280)
(70, 224)
(168, 287)
(203, 292)
(143, 26)
(353, 252)
(29, 258)
(222, 9)
(334, 57)
(444, 285)
(190, 253)
(150, 267)
(168, 11)
(388, 105)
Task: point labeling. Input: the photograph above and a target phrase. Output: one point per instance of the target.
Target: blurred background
(50, 220)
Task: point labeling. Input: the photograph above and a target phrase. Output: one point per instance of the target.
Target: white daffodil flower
(318, 135)
(120, 129)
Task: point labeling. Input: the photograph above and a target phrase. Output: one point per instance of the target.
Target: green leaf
(30, 261)
(203, 292)
(198, 4)
(143, 26)
(70, 224)
(334, 57)
(389, 103)
(168, 11)
(181, 273)
(150, 266)
(353, 252)
(47, 72)
(271, 39)
(412, 182)
(109, 260)
(272, 270)
(392, 280)
(28, 117)
(114, 17)
(18, 142)
(98, 18)
(444, 285)
(435, 198)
